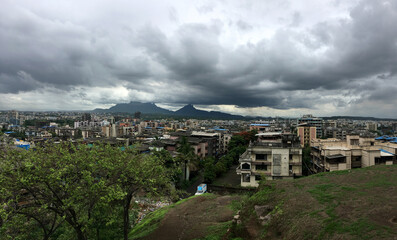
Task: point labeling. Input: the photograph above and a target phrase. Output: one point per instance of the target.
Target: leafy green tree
(237, 140)
(134, 173)
(66, 187)
(186, 155)
(306, 161)
(79, 134)
(171, 163)
(209, 169)
(54, 180)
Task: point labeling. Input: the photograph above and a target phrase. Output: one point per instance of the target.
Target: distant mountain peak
(133, 107)
(189, 106)
(151, 108)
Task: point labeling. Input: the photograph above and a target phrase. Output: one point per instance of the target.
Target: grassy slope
(152, 221)
(356, 204)
(207, 216)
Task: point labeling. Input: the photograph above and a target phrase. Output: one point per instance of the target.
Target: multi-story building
(306, 133)
(354, 152)
(372, 126)
(273, 156)
(260, 127)
(313, 121)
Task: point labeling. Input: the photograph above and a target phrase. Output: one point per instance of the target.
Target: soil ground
(192, 219)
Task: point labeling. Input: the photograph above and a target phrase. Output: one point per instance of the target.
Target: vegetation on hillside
(237, 146)
(351, 204)
(71, 191)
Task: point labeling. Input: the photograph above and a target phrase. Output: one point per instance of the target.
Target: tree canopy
(75, 189)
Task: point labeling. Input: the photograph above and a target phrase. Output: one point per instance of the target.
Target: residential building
(260, 127)
(313, 121)
(353, 152)
(372, 126)
(274, 156)
(306, 133)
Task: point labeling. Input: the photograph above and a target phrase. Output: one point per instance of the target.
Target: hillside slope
(194, 218)
(352, 204)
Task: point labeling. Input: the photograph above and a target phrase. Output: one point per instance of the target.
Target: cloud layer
(250, 57)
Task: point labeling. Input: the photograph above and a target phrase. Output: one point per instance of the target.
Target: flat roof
(260, 124)
(336, 148)
(268, 134)
(335, 156)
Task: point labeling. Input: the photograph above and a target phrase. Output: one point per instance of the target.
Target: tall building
(306, 133)
(372, 126)
(273, 156)
(313, 121)
(86, 117)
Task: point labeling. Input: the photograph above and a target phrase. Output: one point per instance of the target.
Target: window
(290, 168)
(261, 157)
(261, 167)
(258, 177)
(245, 166)
(246, 177)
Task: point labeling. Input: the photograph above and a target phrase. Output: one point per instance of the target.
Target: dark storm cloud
(21, 81)
(355, 49)
(293, 68)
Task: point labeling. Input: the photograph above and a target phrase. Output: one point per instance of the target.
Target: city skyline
(257, 58)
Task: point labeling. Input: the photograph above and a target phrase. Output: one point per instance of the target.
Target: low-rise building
(354, 152)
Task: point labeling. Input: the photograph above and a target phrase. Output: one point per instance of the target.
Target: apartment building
(313, 121)
(306, 133)
(353, 152)
(274, 156)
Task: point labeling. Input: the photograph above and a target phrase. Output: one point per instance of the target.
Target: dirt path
(191, 219)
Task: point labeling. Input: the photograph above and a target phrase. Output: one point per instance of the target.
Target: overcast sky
(264, 57)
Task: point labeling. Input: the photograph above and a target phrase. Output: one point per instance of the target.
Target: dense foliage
(68, 191)
(237, 146)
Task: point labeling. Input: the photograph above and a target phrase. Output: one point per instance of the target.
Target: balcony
(239, 170)
(294, 152)
(264, 162)
(295, 163)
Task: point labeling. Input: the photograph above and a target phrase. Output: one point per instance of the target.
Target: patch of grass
(323, 193)
(153, 219)
(218, 231)
(184, 200)
(149, 223)
(348, 189)
(328, 195)
(236, 205)
(380, 181)
(261, 196)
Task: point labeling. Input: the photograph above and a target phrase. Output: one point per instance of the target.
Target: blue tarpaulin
(24, 146)
(383, 150)
(381, 137)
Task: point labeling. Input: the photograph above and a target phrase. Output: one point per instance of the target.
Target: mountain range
(151, 108)
(190, 111)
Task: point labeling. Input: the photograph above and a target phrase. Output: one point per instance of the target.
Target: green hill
(351, 204)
